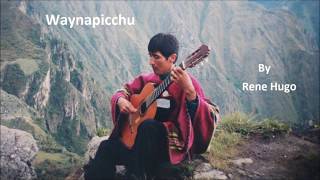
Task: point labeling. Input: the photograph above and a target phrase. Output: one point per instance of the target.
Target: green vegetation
(56, 165)
(103, 132)
(76, 79)
(68, 136)
(44, 141)
(80, 65)
(100, 107)
(223, 147)
(58, 93)
(246, 125)
(19, 35)
(232, 131)
(14, 79)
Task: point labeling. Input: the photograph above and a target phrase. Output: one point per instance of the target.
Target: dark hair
(167, 44)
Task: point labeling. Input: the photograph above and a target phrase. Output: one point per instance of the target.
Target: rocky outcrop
(42, 96)
(93, 147)
(18, 148)
(12, 107)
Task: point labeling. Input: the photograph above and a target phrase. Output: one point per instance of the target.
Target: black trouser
(149, 151)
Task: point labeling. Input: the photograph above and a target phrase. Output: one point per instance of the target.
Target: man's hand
(125, 106)
(182, 78)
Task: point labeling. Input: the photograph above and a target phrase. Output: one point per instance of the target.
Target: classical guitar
(145, 102)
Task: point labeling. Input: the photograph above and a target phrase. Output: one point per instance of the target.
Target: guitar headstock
(196, 57)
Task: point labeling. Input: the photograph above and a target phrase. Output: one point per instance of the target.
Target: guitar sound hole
(143, 108)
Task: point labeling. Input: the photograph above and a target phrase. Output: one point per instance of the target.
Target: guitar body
(130, 127)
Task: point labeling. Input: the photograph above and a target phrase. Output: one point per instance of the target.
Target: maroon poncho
(184, 136)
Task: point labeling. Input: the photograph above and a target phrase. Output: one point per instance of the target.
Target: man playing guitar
(159, 117)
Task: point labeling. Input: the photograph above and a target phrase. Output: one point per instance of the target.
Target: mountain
(42, 74)
(307, 12)
(67, 75)
(241, 35)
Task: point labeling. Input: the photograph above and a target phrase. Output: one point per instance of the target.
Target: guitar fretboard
(162, 87)
(158, 91)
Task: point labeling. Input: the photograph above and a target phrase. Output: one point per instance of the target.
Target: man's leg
(109, 153)
(150, 148)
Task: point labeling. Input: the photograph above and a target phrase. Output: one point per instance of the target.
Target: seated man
(183, 124)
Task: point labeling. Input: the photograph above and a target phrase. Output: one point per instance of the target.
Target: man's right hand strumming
(125, 106)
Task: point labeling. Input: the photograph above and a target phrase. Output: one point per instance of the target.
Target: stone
(121, 170)
(242, 161)
(212, 174)
(18, 149)
(93, 147)
(242, 172)
(206, 171)
(203, 167)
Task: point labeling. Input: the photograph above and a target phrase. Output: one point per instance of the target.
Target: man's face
(160, 64)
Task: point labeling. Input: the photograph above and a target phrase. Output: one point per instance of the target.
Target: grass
(103, 132)
(222, 148)
(232, 132)
(55, 165)
(42, 156)
(28, 66)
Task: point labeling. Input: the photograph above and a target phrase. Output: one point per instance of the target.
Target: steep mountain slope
(241, 35)
(41, 71)
(307, 12)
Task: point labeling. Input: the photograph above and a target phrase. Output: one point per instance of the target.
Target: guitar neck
(192, 60)
(161, 88)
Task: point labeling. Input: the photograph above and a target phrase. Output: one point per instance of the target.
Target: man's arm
(120, 100)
